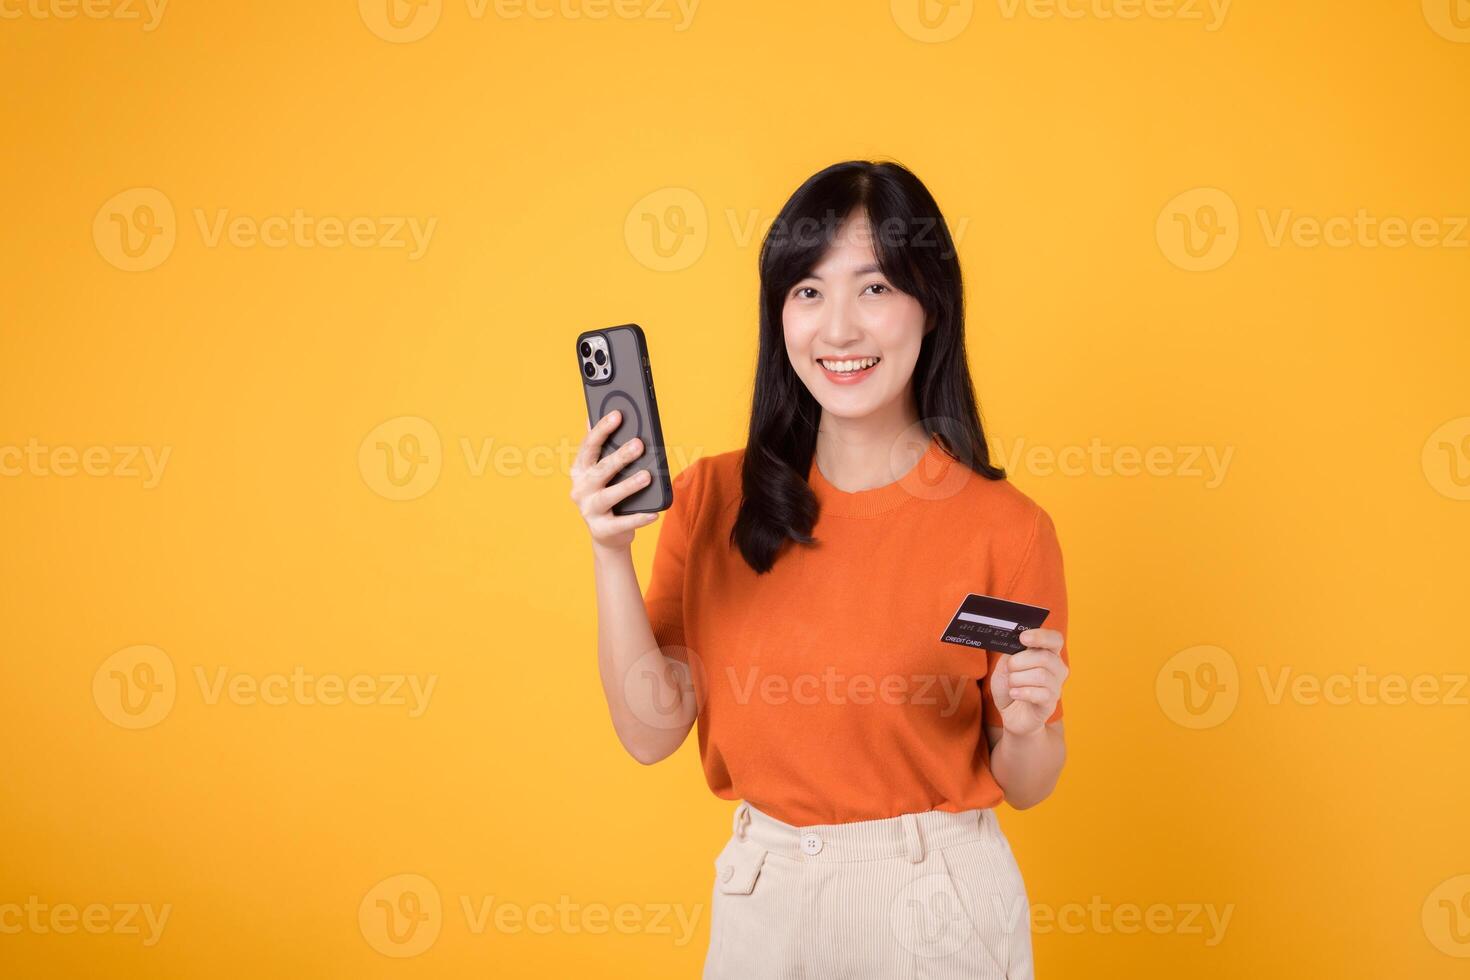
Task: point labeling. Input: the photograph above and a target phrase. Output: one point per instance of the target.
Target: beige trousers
(920, 896)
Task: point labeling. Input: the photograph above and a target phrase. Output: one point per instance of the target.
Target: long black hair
(913, 247)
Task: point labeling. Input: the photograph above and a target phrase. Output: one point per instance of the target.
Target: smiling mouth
(848, 365)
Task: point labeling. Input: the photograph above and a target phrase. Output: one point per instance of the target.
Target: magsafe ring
(624, 403)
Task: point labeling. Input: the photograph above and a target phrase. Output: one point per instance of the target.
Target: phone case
(629, 389)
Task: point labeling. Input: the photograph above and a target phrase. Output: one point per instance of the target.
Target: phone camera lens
(599, 357)
(587, 369)
(586, 349)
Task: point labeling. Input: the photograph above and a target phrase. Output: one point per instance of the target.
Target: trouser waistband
(909, 835)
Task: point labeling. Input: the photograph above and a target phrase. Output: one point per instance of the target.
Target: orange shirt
(825, 693)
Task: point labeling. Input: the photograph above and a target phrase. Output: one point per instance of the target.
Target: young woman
(799, 591)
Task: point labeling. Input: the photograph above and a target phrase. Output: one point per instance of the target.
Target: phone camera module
(596, 357)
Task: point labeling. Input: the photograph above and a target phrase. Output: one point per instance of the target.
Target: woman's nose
(839, 326)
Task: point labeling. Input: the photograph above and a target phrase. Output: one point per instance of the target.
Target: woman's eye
(803, 289)
(878, 286)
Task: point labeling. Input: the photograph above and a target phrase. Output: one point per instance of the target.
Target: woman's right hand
(594, 498)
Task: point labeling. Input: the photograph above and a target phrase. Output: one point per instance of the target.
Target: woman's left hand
(1027, 685)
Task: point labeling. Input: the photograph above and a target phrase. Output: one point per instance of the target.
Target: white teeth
(843, 367)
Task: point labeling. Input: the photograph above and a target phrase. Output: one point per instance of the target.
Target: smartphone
(616, 376)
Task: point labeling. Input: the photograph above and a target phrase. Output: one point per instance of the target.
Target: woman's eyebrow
(864, 271)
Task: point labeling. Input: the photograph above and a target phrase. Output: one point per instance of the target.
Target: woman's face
(846, 314)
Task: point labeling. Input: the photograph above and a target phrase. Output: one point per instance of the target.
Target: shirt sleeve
(1039, 581)
(664, 597)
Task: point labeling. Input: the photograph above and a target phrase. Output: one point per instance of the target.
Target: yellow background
(1334, 832)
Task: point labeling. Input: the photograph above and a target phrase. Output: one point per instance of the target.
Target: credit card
(992, 624)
